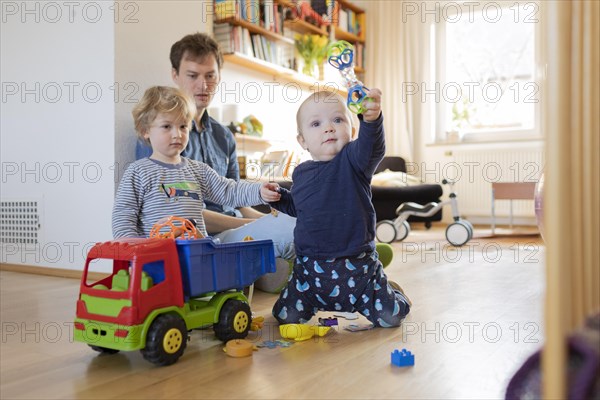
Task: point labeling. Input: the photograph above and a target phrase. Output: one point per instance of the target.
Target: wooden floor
(477, 315)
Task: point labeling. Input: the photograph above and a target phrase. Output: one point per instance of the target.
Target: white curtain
(397, 62)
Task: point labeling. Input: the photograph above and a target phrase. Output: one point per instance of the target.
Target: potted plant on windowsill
(462, 112)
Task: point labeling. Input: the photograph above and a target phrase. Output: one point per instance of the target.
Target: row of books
(264, 13)
(359, 55)
(345, 19)
(236, 39)
(349, 21)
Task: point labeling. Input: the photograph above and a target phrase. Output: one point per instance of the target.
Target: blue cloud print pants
(344, 285)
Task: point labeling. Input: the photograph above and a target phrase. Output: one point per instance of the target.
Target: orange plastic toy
(177, 228)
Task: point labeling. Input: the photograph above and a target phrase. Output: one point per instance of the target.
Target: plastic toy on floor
(341, 57)
(301, 332)
(162, 287)
(403, 358)
(458, 232)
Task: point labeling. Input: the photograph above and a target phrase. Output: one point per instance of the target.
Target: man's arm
(249, 212)
(216, 222)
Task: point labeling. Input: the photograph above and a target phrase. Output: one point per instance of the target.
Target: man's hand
(270, 192)
(372, 105)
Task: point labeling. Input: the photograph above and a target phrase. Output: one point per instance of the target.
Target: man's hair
(323, 96)
(196, 46)
(161, 99)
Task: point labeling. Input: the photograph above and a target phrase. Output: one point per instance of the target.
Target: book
(225, 9)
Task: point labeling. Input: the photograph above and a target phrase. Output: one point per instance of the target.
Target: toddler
(166, 183)
(337, 267)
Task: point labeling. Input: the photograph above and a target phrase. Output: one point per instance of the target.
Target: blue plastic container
(207, 266)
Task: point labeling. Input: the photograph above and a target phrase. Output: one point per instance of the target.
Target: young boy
(166, 183)
(337, 267)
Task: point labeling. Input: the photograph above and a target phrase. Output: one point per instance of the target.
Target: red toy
(159, 289)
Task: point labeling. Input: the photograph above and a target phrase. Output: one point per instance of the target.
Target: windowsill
(482, 141)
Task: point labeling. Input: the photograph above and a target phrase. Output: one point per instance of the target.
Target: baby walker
(457, 233)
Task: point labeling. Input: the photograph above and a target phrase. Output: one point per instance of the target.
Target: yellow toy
(300, 332)
(239, 348)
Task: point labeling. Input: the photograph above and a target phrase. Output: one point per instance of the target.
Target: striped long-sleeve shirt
(151, 190)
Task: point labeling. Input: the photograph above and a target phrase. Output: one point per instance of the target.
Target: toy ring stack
(177, 227)
(341, 57)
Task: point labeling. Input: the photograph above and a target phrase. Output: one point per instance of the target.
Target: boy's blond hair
(323, 96)
(161, 99)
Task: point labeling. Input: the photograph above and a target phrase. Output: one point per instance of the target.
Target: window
(486, 55)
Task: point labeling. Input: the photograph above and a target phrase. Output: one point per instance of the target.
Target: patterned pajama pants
(344, 285)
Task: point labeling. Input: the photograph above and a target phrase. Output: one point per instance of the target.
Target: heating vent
(19, 222)
(480, 168)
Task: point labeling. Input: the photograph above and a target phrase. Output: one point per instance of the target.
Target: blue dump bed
(207, 266)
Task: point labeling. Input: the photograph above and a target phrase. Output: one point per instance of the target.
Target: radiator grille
(19, 222)
(479, 169)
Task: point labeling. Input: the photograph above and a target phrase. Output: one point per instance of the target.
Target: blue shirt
(332, 199)
(214, 145)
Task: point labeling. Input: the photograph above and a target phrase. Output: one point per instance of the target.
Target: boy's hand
(270, 192)
(372, 105)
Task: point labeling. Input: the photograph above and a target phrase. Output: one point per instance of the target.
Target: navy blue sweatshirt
(332, 199)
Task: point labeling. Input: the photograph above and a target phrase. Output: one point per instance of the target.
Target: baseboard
(47, 271)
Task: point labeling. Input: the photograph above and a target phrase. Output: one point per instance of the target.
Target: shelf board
(251, 144)
(303, 27)
(280, 72)
(253, 28)
(341, 34)
(351, 6)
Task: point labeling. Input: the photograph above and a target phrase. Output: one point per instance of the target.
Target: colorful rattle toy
(341, 57)
(175, 227)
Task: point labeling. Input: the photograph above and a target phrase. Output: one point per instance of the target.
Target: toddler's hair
(161, 99)
(323, 96)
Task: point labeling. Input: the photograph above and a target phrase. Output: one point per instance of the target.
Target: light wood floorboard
(477, 315)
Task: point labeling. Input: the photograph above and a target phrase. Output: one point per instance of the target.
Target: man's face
(198, 78)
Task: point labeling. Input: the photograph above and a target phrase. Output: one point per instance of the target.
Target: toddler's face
(168, 135)
(326, 128)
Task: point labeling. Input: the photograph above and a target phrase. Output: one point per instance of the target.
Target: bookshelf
(282, 73)
(349, 24)
(247, 144)
(256, 35)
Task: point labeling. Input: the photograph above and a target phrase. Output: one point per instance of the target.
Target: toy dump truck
(159, 289)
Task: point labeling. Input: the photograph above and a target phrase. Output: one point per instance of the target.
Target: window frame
(439, 53)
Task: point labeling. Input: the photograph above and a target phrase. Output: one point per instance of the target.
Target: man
(196, 62)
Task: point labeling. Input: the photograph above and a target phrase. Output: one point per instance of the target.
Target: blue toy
(341, 57)
(403, 358)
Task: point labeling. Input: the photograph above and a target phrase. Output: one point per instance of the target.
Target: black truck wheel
(234, 321)
(166, 340)
(104, 350)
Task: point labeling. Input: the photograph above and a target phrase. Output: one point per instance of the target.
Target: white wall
(57, 129)
(71, 73)
(142, 60)
(142, 47)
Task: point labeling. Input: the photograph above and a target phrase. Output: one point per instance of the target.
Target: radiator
(476, 170)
